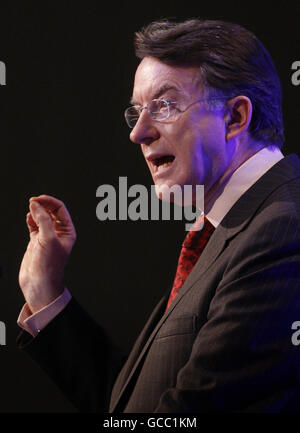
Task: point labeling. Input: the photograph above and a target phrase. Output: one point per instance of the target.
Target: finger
(42, 220)
(32, 227)
(55, 208)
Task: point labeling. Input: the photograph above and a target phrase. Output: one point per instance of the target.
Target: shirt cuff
(34, 323)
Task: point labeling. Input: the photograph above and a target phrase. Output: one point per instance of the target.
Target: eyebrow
(163, 89)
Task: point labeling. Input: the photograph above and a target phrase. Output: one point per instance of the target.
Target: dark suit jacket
(224, 345)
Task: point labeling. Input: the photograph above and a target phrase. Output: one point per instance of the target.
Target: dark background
(70, 68)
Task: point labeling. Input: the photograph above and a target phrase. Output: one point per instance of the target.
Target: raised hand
(52, 236)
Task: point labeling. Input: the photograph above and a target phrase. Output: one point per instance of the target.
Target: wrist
(44, 297)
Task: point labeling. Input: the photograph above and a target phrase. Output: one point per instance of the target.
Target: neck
(216, 190)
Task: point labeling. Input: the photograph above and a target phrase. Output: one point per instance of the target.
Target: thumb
(43, 220)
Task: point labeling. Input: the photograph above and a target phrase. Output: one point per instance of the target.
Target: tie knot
(202, 228)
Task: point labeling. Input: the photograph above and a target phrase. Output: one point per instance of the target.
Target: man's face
(190, 150)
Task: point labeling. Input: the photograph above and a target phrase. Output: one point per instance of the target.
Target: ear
(238, 116)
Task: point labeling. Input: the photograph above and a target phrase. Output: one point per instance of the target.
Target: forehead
(153, 78)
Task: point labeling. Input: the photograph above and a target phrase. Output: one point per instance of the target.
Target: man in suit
(206, 110)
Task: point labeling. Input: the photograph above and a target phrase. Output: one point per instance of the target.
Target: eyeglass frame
(168, 103)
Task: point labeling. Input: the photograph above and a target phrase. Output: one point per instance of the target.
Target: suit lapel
(236, 220)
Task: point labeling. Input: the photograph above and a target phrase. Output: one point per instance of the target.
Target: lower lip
(160, 172)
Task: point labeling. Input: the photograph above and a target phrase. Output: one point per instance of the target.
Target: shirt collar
(241, 180)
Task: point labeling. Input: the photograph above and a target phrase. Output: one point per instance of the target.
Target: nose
(145, 130)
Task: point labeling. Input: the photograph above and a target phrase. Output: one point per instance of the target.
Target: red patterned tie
(192, 247)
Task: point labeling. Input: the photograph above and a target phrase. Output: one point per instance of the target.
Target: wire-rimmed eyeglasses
(158, 109)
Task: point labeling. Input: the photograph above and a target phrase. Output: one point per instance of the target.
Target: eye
(158, 106)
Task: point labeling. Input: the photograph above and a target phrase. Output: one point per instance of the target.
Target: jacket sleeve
(78, 356)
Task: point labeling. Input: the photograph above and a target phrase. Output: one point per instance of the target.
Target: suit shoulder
(281, 204)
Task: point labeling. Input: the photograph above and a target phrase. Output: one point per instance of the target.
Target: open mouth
(162, 162)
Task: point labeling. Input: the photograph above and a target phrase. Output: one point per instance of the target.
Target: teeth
(165, 164)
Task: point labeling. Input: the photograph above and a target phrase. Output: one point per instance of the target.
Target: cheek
(200, 157)
(189, 164)
(192, 150)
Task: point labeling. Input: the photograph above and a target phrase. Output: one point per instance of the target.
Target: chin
(170, 192)
(185, 191)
